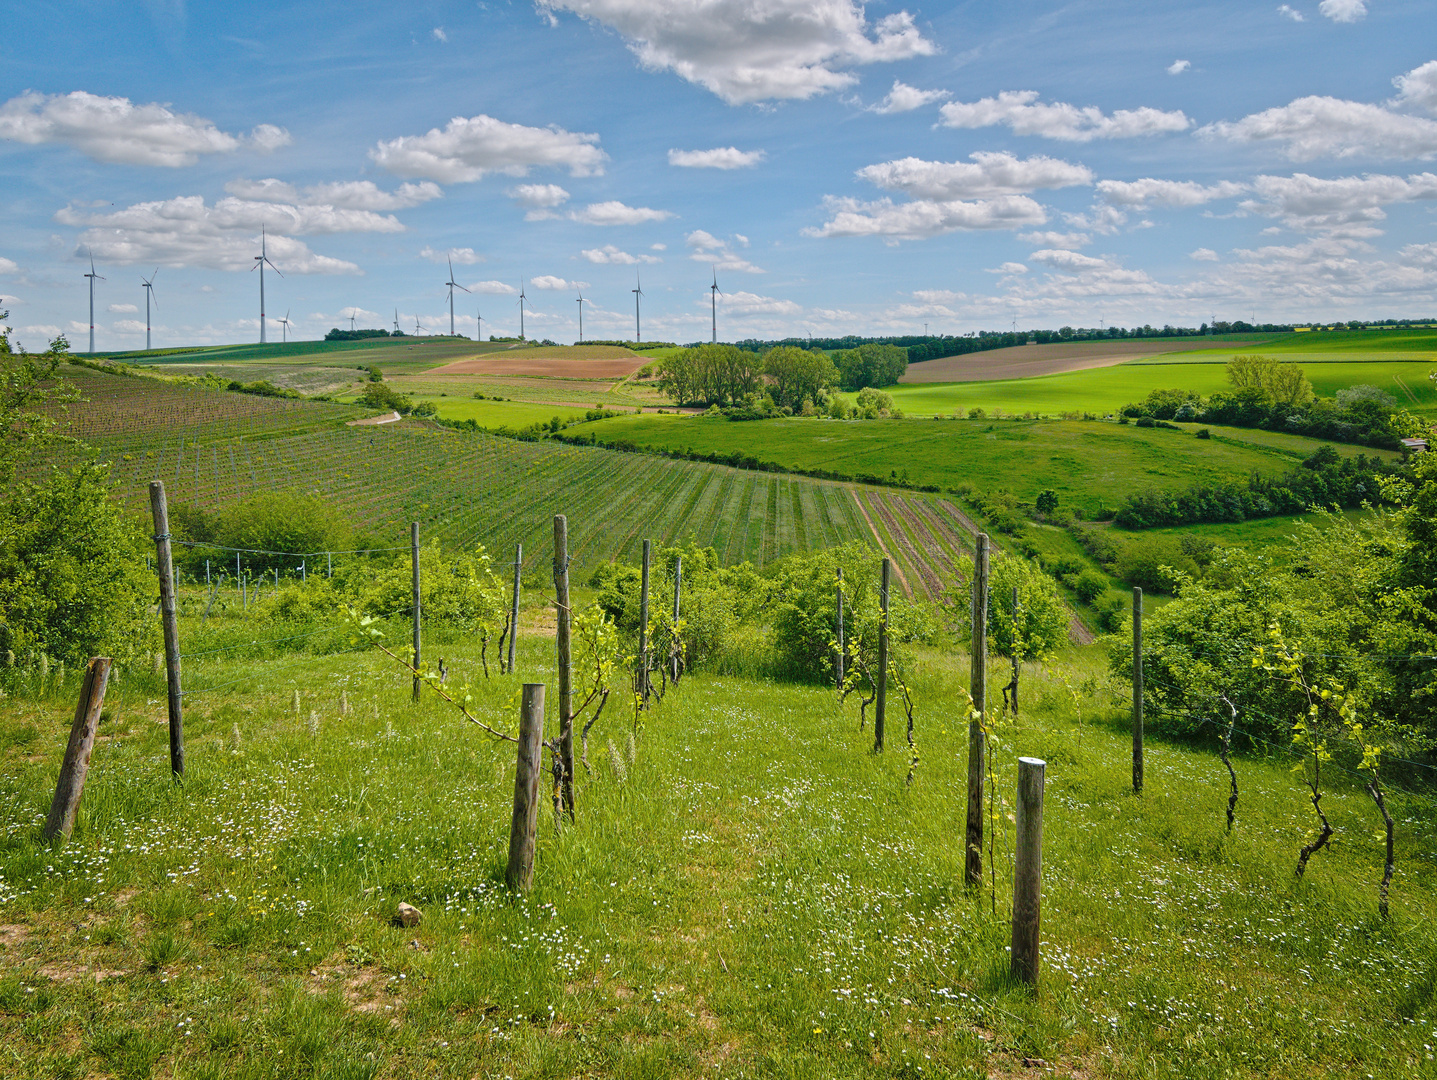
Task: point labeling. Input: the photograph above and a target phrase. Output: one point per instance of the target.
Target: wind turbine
(522, 298)
(479, 324)
(149, 287)
(417, 327)
(94, 277)
(396, 321)
(714, 293)
(638, 291)
(581, 302)
(452, 286)
(284, 324)
(351, 320)
(259, 261)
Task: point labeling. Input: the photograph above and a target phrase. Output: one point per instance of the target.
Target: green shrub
(1040, 623)
(1090, 585)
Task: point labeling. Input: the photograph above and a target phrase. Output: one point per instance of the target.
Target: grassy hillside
(748, 891)
(1088, 463)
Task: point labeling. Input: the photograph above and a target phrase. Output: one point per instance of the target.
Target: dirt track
(579, 362)
(1022, 361)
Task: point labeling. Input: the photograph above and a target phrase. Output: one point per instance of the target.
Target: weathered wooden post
(566, 686)
(514, 606)
(978, 689)
(678, 586)
(524, 824)
(239, 581)
(71, 784)
(880, 691)
(161, 513)
(1028, 871)
(1138, 690)
(838, 605)
(1017, 646)
(207, 571)
(643, 674)
(414, 566)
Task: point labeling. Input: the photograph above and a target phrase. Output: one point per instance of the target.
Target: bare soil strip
(568, 362)
(900, 520)
(881, 546)
(1024, 361)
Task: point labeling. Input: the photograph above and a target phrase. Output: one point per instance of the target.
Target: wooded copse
(791, 377)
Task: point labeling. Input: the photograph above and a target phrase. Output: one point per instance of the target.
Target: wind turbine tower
(581, 318)
(94, 277)
(522, 298)
(351, 320)
(452, 286)
(149, 287)
(479, 324)
(396, 320)
(638, 291)
(714, 293)
(259, 261)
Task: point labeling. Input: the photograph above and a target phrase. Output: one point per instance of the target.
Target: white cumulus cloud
(1203, 255)
(755, 50)
(609, 255)
(1418, 87)
(538, 199)
(184, 231)
(1288, 11)
(987, 175)
(1069, 240)
(342, 194)
(463, 256)
(493, 288)
(1313, 127)
(614, 212)
(920, 219)
(747, 303)
(470, 148)
(1348, 206)
(123, 309)
(439, 34)
(1021, 111)
(1343, 11)
(722, 157)
(116, 130)
(556, 284)
(1177, 67)
(8, 266)
(710, 250)
(1140, 194)
(905, 98)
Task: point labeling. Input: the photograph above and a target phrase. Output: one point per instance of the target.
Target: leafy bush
(1090, 585)
(378, 395)
(1040, 624)
(1153, 562)
(457, 589)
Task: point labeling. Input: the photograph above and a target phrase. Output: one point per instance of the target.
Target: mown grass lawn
(749, 891)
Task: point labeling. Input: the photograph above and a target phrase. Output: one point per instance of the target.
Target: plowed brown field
(1022, 361)
(563, 362)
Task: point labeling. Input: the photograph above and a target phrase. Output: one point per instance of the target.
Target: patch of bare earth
(560, 362)
(13, 934)
(1026, 361)
(365, 990)
(70, 972)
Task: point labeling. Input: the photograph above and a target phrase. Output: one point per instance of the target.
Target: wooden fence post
(838, 660)
(1028, 871)
(71, 784)
(514, 606)
(164, 564)
(643, 673)
(566, 686)
(1138, 690)
(678, 587)
(523, 825)
(880, 692)
(978, 688)
(1017, 637)
(414, 564)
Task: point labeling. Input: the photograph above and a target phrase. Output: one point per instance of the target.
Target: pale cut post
(414, 560)
(514, 605)
(1028, 871)
(838, 604)
(159, 509)
(978, 689)
(71, 784)
(678, 587)
(1138, 690)
(519, 875)
(566, 675)
(880, 691)
(643, 675)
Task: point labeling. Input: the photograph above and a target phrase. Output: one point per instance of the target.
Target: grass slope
(748, 891)
(1087, 463)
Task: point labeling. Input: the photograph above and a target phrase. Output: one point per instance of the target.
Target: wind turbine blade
(462, 287)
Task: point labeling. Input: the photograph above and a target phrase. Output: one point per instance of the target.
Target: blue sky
(842, 169)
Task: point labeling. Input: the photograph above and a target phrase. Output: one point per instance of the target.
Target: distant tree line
(784, 380)
(360, 335)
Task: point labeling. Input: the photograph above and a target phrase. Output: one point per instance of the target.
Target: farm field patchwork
(1105, 390)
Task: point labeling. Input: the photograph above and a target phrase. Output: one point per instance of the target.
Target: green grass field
(492, 415)
(748, 891)
(1102, 391)
(1088, 463)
